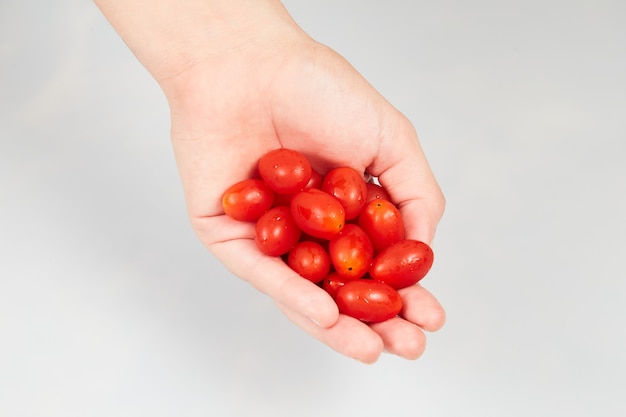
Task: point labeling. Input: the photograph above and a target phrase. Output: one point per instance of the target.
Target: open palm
(230, 108)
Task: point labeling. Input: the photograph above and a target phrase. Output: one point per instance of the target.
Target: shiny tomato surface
(376, 191)
(348, 186)
(368, 300)
(382, 222)
(284, 170)
(332, 282)
(338, 231)
(285, 199)
(315, 181)
(276, 231)
(317, 213)
(402, 264)
(351, 252)
(310, 260)
(247, 200)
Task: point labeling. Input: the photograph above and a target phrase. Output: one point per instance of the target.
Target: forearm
(169, 36)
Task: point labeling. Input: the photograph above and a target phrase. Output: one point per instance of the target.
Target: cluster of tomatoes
(336, 230)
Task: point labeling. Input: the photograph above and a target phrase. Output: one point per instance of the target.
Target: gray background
(109, 306)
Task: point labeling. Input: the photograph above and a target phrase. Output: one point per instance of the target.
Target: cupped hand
(231, 107)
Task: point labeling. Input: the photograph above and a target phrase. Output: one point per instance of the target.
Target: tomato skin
(285, 199)
(317, 213)
(351, 252)
(276, 231)
(382, 222)
(310, 260)
(247, 200)
(315, 181)
(402, 264)
(348, 186)
(284, 170)
(376, 191)
(332, 282)
(368, 300)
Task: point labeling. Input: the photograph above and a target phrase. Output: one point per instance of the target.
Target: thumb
(402, 168)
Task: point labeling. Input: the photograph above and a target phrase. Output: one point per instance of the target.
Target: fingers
(401, 337)
(347, 336)
(364, 342)
(273, 277)
(404, 335)
(403, 170)
(312, 309)
(422, 308)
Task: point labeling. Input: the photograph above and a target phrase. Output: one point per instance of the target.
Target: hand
(231, 109)
(279, 88)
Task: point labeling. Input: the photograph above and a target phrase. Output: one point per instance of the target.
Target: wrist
(170, 36)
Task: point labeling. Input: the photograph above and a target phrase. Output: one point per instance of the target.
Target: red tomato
(402, 264)
(317, 213)
(276, 231)
(348, 186)
(351, 252)
(315, 181)
(382, 222)
(285, 171)
(375, 191)
(285, 199)
(368, 300)
(310, 260)
(247, 200)
(332, 282)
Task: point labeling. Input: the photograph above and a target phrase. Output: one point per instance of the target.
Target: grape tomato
(332, 282)
(351, 252)
(382, 222)
(247, 200)
(368, 300)
(317, 213)
(276, 231)
(285, 199)
(348, 186)
(310, 260)
(338, 231)
(402, 264)
(284, 170)
(376, 191)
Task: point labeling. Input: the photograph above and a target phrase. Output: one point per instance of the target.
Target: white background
(109, 306)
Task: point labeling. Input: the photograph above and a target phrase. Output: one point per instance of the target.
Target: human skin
(241, 78)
